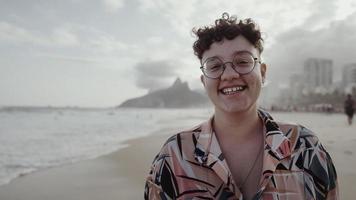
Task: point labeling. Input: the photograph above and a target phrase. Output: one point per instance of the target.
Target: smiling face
(232, 92)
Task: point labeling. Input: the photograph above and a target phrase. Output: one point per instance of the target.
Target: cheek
(211, 85)
(253, 79)
(209, 82)
(258, 71)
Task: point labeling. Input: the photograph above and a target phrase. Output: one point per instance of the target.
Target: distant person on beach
(241, 152)
(349, 107)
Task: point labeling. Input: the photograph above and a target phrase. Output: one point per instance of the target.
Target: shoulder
(180, 145)
(309, 154)
(174, 160)
(301, 138)
(171, 158)
(185, 136)
(298, 135)
(306, 145)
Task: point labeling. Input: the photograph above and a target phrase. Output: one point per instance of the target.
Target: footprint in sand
(348, 152)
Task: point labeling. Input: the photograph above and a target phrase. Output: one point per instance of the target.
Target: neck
(237, 125)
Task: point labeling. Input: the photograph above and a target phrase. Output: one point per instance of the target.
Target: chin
(235, 108)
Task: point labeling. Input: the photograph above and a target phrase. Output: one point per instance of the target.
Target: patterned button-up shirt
(295, 166)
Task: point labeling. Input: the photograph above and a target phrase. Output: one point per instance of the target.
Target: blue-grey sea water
(34, 139)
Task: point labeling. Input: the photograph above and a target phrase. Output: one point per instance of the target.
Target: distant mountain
(178, 95)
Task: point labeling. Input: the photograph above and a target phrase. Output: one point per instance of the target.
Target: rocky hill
(179, 95)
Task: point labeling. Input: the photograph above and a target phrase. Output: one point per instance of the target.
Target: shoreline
(121, 174)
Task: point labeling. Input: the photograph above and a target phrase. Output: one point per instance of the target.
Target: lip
(234, 93)
(230, 86)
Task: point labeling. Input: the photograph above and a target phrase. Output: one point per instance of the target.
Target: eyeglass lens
(242, 63)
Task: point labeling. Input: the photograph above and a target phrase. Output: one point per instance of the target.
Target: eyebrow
(243, 51)
(233, 54)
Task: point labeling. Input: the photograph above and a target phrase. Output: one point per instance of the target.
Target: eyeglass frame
(232, 65)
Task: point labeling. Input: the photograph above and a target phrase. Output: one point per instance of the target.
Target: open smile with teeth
(233, 90)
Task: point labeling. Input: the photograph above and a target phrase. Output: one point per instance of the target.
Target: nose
(229, 73)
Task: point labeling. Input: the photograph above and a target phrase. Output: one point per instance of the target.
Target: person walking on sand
(349, 107)
(240, 152)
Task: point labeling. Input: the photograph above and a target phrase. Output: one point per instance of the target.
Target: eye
(242, 61)
(214, 67)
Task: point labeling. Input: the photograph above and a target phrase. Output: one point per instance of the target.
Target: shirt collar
(276, 141)
(208, 151)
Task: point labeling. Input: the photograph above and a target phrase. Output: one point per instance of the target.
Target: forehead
(227, 48)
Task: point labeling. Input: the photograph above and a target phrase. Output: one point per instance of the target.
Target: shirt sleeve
(324, 172)
(161, 181)
(333, 189)
(320, 178)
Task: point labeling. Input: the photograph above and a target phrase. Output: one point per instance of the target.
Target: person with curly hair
(241, 152)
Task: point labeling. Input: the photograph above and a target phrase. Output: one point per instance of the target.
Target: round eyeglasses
(242, 63)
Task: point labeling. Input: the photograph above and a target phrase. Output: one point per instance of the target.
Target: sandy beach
(121, 175)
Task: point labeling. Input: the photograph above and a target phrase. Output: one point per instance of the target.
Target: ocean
(36, 139)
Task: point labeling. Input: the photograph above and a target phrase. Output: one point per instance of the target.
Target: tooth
(232, 89)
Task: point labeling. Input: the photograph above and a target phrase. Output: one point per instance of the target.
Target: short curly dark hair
(227, 27)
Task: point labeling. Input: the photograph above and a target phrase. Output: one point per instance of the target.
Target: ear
(263, 69)
(202, 80)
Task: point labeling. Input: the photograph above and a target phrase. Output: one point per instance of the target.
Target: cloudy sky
(98, 53)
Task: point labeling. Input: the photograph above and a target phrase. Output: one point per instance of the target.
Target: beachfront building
(296, 84)
(349, 77)
(318, 73)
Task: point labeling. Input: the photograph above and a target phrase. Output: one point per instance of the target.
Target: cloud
(345, 8)
(107, 43)
(113, 5)
(10, 32)
(183, 15)
(63, 37)
(293, 47)
(72, 59)
(322, 12)
(274, 16)
(60, 36)
(87, 40)
(179, 14)
(155, 40)
(154, 75)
